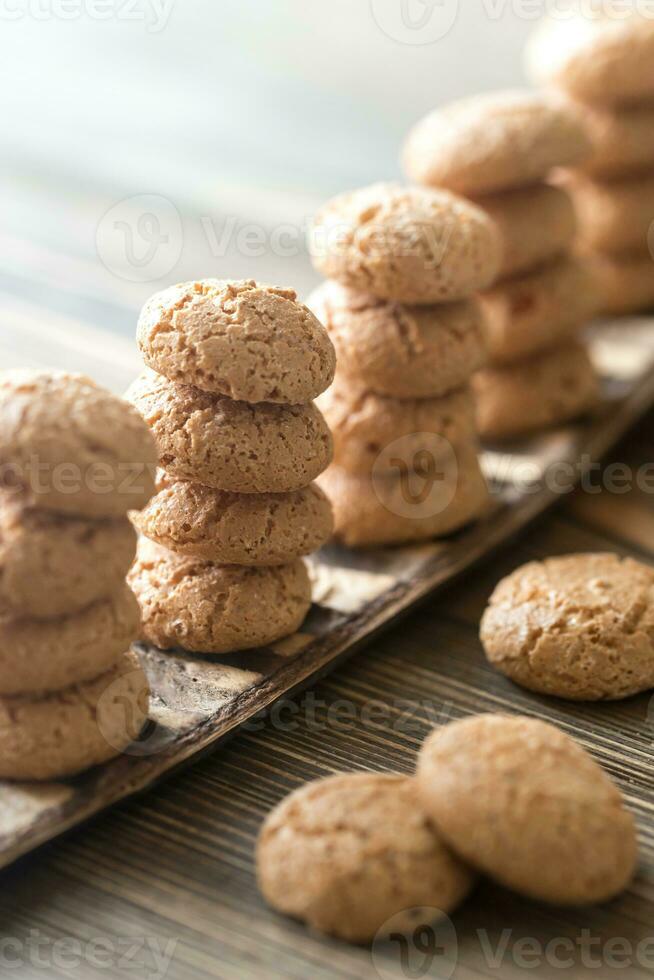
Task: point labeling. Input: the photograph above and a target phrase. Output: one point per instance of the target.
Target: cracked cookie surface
(578, 627)
(348, 853)
(246, 341)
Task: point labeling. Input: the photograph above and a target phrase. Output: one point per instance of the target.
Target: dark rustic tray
(199, 700)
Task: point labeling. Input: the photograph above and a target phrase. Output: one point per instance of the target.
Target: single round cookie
(51, 565)
(547, 389)
(627, 281)
(250, 342)
(622, 141)
(539, 310)
(410, 244)
(43, 655)
(71, 730)
(69, 446)
(230, 445)
(236, 528)
(348, 853)
(207, 608)
(401, 351)
(579, 627)
(493, 142)
(375, 510)
(612, 216)
(521, 801)
(595, 57)
(536, 225)
(363, 424)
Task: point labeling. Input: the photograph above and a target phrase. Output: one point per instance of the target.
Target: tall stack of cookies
(402, 266)
(603, 61)
(232, 369)
(74, 459)
(498, 150)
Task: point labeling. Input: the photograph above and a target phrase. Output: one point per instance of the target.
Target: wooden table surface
(164, 885)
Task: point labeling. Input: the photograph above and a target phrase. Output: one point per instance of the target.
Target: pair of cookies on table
(605, 65)
(74, 459)
(365, 856)
(232, 370)
(403, 264)
(499, 150)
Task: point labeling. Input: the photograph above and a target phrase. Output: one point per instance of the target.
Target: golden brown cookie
(401, 351)
(69, 446)
(536, 225)
(579, 627)
(493, 142)
(365, 427)
(627, 281)
(429, 500)
(544, 390)
(622, 141)
(68, 731)
(232, 445)
(236, 528)
(42, 655)
(237, 338)
(521, 801)
(349, 854)
(613, 216)
(411, 244)
(195, 604)
(595, 55)
(540, 309)
(52, 565)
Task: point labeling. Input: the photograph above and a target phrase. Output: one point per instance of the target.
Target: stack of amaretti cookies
(499, 149)
(403, 265)
(74, 459)
(604, 63)
(232, 371)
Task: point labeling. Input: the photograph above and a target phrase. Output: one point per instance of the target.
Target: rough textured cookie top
(594, 56)
(247, 341)
(348, 853)
(494, 141)
(578, 626)
(520, 800)
(412, 244)
(73, 446)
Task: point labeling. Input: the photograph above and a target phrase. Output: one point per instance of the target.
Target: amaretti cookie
(519, 800)
(43, 655)
(53, 565)
(208, 608)
(69, 446)
(595, 56)
(398, 350)
(409, 505)
(578, 627)
(626, 280)
(240, 339)
(540, 309)
(410, 244)
(622, 140)
(233, 528)
(349, 853)
(536, 225)
(65, 732)
(612, 216)
(364, 424)
(548, 388)
(493, 142)
(232, 445)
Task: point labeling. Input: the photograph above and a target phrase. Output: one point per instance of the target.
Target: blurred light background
(234, 111)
